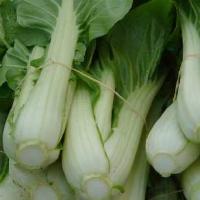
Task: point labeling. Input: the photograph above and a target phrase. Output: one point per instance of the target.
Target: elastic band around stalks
(98, 82)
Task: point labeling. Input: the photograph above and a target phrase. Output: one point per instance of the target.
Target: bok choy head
(37, 120)
(104, 130)
(8, 189)
(41, 184)
(188, 100)
(168, 151)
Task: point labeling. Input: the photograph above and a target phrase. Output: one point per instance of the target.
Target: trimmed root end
(164, 164)
(45, 192)
(32, 155)
(98, 188)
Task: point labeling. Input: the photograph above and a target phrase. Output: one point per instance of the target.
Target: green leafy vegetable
(38, 117)
(167, 149)
(8, 21)
(100, 146)
(14, 65)
(188, 106)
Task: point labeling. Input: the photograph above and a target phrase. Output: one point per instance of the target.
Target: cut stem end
(164, 164)
(32, 155)
(98, 188)
(45, 192)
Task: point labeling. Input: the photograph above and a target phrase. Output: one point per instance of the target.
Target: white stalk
(39, 126)
(56, 177)
(93, 167)
(49, 184)
(102, 112)
(135, 187)
(33, 182)
(83, 154)
(19, 101)
(188, 108)
(190, 180)
(168, 151)
(122, 146)
(11, 191)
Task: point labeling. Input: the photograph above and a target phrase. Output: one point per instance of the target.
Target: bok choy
(136, 184)
(190, 180)
(42, 184)
(9, 190)
(20, 184)
(168, 151)
(37, 120)
(188, 107)
(103, 131)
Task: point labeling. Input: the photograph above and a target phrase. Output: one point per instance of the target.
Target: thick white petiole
(122, 146)
(9, 190)
(135, 187)
(188, 107)
(167, 149)
(42, 184)
(95, 167)
(190, 180)
(39, 124)
(104, 119)
(33, 182)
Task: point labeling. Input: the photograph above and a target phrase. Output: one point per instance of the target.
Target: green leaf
(190, 9)
(189, 15)
(95, 18)
(1, 1)
(14, 78)
(37, 14)
(14, 65)
(89, 54)
(37, 62)
(2, 33)
(32, 37)
(9, 23)
(133, 48)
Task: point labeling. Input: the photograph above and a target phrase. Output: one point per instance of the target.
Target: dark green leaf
(37, 62)
(14, 65)
(95, 18)
(134, 47)
(14, 78)
(37, 14)
(32, 37)
(8, 14)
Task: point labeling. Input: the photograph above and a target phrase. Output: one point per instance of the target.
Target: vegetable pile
(95, 92)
